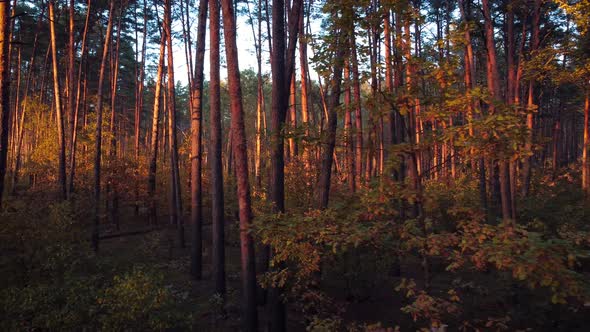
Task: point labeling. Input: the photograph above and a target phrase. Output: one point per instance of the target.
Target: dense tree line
(419, 131)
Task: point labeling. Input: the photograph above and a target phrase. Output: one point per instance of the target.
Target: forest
(299, 165)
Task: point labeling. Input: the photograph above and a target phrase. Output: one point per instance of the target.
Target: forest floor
(362, 297)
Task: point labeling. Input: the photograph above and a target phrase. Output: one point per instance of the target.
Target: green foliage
(52, 281)
(139, 301)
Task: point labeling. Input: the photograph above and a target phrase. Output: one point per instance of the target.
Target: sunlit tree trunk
(4, 88)
(293, 148)
(176, 202)
(494, 89)
(98, 133)
(526, 165)
(77, 103)
(249, 318)
(17, 101)
(358, 117)
(511, 90)
(58, 107)
(20, 135)
(153, 160)
(304, 69)
(330, 140)
(139, 104)
(111, 190)
(259, 92)
(389, 126)
(71, 70)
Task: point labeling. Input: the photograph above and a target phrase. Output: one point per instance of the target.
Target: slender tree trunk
(153, 160)
(215, 148)
(71, 70)
(112, 192)
(511, 90)
(139, 107)
(293, 148)
(59, 110)
(586, 148)
(494, 88)
(197, 147)
(21, 127)
(280, 84)
(4, 89)
(98, 134)
(77, 103)
(303, 67)
(176, 205)
(526, 166)
(330, 142)
(358, 117)
(348, 141)
(249, 318)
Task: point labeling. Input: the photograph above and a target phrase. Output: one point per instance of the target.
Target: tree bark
(348, 141)
(330, 142)
(77, 104)
(526, 166)
(176, 201)
(586, 147)
(494, 90)
(21, 127)
(71, 70)
(139, 105)
(215, 151)
(4, 89)
(304, 69)
(58, 107)
(249, 318)
(197, 147)
(111, 190)
(98, 133)
(153, 160)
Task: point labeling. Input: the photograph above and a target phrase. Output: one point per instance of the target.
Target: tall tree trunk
(586, 148)
(153, 160)
(304, 69)
(176, 205)
(71, 70)
(348, 141)
(526, 165)
(494, 89)
(330, 142)
(112, 192)
(249, 318)
(280, 84)
(469, 64)
(21, 127)
(59, 110)
(98, 134)
(197, 147)
(4, 89)
(282, 64)
(293, 148)
(77, 103)
(215, 150)
(510, 94)
(139, 105)
(358, 117)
